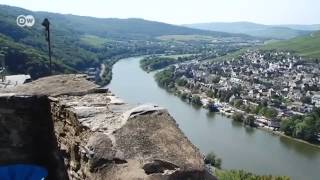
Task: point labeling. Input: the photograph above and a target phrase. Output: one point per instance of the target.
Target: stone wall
(26, 134)
(72, 137)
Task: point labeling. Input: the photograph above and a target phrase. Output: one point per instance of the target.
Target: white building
(316, 100)
(14, 80)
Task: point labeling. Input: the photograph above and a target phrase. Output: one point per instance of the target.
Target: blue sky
(185, 11)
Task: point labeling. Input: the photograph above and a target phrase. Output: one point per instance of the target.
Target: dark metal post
(2, 69)
(46, 24)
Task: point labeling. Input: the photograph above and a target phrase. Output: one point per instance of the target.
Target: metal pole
(49, 44)
(46, 24)
(2, 59)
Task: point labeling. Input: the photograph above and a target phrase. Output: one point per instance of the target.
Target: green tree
(216, 79)
(196, 100)
(184, 95)
(213, 160)
(243, 175)
(287, 126)
(210, 93)
(181, 82)
(250, 120)
(165, 78)
(238, 103)
(238, 117)
(303, 127)
(306, 100)
(267, 112)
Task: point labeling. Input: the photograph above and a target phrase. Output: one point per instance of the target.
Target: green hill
(67, 48)
(125, 28)
(23, 59)
(307, 46)
(258, 30)
(80, 42)
(114, 28)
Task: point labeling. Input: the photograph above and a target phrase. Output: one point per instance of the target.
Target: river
(239, 147)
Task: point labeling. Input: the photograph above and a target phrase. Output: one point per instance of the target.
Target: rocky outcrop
(101, 137)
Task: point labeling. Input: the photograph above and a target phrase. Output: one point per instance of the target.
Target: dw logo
(23, 21)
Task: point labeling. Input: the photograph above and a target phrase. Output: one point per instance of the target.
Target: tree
(306, 129)
(237, 103)
(196, 100)
(250, 121)
(181, 82)
(267, 111)
(210, 93)
(237, 117)
(303, 127)
(306, 100)
(184, 95)
(165, 78)
(216, 79)
(213, 160)
(287, 126)
(243, 175)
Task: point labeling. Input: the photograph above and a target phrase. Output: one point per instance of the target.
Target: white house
(316, 100)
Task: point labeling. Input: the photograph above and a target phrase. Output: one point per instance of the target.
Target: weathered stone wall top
(55, 86)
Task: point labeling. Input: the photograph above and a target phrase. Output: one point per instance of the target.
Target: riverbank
(167, 80)
(105, 74)
(228, 111)
(279, 133)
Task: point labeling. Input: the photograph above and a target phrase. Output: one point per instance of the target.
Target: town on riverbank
(272, 90)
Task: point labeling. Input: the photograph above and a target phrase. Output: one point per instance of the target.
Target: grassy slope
(93, 41)
(186, 38)
(307, 46)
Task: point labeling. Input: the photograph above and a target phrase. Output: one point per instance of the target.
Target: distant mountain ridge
(112, 27)
(258, 30)
(311, 27)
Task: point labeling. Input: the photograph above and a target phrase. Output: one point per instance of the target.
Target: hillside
(21, 58)
(80, 42)
(124, 28)
(66, 47)
(307, 46)
(258, 30)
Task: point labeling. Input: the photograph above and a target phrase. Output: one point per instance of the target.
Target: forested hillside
(80, 42)
(25, 59)
(26, 48)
